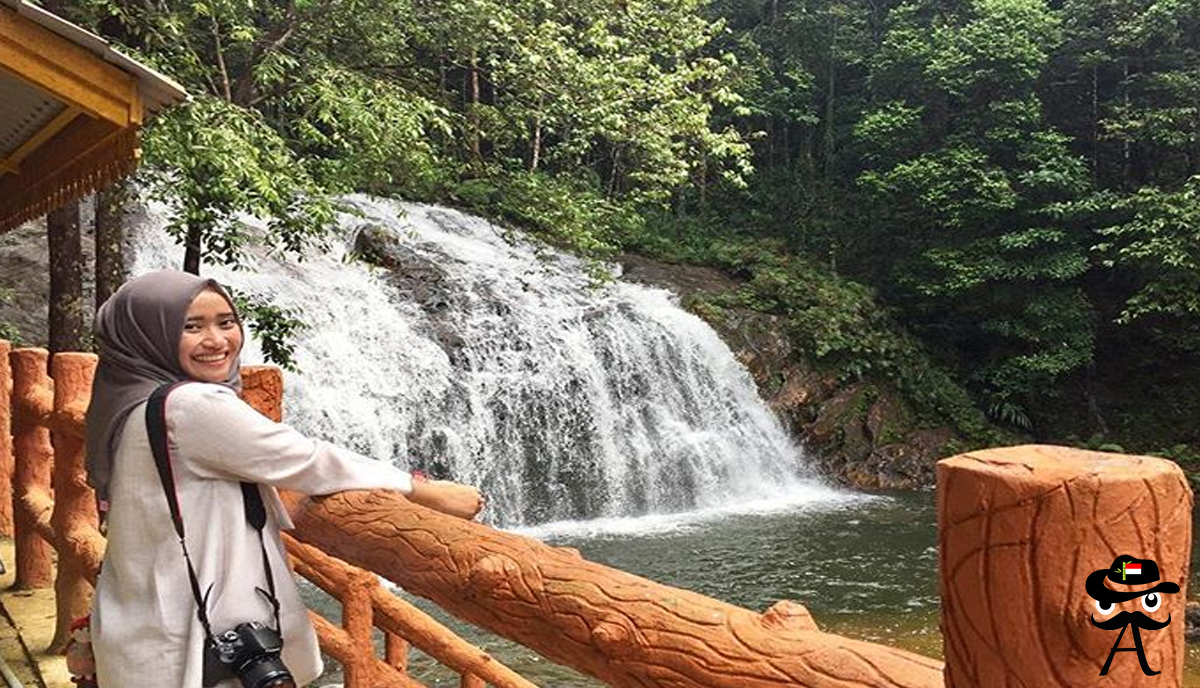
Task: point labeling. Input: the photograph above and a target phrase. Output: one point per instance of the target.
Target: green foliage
(273, 326)
(840, 325)
(1160, 244)
(214, 161)
(567, 212)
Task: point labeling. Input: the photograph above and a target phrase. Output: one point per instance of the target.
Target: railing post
(6, 448)
(1020, 530)
(395, 652)
(262, 388)
(358, 620)
(75, 519)
(33, 400)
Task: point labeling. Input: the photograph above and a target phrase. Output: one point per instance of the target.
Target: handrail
(620, 628)
(54, 510)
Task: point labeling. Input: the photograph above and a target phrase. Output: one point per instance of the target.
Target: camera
(249, 652)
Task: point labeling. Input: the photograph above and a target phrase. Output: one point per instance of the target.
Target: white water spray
(511, 370)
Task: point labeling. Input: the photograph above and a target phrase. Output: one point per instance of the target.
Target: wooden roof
(71, 108)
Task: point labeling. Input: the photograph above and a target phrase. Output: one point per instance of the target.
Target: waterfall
(481, 356)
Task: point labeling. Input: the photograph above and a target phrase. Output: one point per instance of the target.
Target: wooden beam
(68, 72)
(13, 162)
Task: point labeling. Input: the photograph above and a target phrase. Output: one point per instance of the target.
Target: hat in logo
(1126, 570)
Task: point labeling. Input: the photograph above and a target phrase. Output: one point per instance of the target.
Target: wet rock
(1191, 622)
(861, 433)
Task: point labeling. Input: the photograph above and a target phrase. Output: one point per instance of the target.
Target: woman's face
(211, 340)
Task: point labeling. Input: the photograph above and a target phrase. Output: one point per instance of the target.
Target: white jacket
(145, 631)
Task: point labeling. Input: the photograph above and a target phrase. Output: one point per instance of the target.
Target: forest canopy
(1006, 192)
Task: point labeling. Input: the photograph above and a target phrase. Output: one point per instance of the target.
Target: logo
(1126, 571)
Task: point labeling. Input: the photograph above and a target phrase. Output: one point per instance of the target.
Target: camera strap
(256, 513)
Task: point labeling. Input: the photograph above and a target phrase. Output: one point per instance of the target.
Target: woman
(170, 326)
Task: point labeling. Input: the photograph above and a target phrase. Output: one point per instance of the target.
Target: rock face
(862, 433)
(25, 279)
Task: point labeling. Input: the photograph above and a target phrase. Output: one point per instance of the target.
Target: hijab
(138, 331)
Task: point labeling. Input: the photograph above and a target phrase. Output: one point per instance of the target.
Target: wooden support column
(75, 521)
(6, 447)
(1021, 529)
(357, 620)
(33, 401)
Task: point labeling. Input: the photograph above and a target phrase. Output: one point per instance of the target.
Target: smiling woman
(177, 337)
(211, 339)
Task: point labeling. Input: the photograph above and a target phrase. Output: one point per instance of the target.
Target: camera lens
(269, 672)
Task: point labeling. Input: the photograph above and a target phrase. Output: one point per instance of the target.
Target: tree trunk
(66, 279)
(111, 271)
(535, 153)
(193, 250)
(617, 627)
(473, 109)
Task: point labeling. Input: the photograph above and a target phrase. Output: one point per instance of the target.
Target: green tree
(971, 188)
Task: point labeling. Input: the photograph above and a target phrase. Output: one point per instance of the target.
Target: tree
(971, 186)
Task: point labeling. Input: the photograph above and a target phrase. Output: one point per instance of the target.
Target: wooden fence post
(6, 448)
(262, 388)
(76, 523)
(357, 620)
(33, 402)
(1021, 529)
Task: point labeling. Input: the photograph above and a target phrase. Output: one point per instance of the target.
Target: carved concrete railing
(1019, 530)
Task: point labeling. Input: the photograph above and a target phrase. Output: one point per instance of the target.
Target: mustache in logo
(1138, 619)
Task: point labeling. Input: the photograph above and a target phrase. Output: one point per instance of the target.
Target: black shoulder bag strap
(256, 513)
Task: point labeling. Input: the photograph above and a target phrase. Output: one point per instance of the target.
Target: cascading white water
(512, 370)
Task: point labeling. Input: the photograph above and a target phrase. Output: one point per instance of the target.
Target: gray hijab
(137, 332)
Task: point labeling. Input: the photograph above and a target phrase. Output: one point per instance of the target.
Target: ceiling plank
(13, 162)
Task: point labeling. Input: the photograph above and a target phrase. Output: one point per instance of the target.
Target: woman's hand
(463, 501)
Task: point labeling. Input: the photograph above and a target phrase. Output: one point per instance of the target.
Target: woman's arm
(447, 497)
(221, 437)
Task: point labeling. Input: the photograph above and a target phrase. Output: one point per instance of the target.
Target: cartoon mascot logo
(1128, 571)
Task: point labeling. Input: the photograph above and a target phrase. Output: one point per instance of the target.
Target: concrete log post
(357, 618)
(6, 448)
(617, 627)
(1021, 529)
(262, 388)
(75, 520)
(33, 402)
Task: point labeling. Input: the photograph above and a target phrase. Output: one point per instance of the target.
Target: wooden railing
(54, 512)
(1019, 528)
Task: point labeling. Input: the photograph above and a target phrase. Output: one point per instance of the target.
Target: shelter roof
(71, 108)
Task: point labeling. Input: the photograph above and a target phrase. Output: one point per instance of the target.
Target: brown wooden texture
(75, 521)
(622, 629)
(32, 403)
(336, 643)
(401, 620)
(1020, 529)
(6, 448)
(262, 388)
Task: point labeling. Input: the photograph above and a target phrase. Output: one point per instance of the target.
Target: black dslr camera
(249, 652)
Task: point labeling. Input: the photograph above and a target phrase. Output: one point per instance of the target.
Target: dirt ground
(26, 629)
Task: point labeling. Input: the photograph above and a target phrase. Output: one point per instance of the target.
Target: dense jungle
(986, 212)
